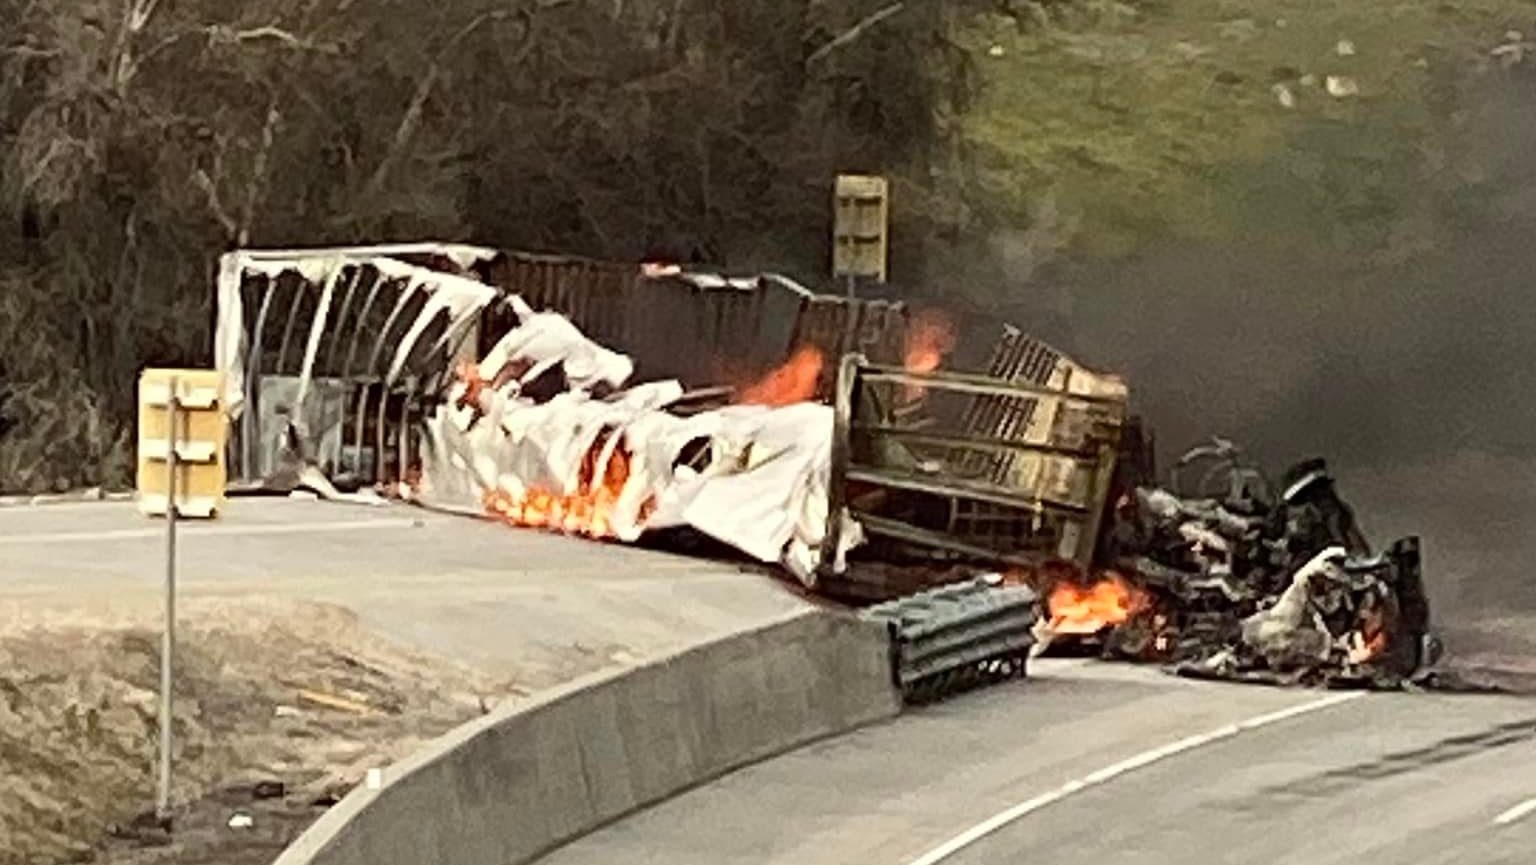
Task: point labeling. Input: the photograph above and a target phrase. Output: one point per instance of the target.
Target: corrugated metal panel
(702, 328)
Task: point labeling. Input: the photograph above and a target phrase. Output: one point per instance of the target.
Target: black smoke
(1414, 374)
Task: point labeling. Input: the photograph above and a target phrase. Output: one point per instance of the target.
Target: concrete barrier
(508, 787)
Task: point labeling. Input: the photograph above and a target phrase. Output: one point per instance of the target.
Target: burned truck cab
(1311, 516)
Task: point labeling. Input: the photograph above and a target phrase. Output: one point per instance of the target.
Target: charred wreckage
(985, 516)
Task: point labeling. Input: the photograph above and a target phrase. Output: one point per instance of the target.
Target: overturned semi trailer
(389, 367)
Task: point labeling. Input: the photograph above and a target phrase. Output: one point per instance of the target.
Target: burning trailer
(404, 368)
(809, 432)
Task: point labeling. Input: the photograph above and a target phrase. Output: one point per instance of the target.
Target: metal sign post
(168, 638)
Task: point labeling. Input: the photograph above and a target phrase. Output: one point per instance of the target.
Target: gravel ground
(280, 709)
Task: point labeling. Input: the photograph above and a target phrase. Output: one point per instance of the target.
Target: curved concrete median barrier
(503, 789)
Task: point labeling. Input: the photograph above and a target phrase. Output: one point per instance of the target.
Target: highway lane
(1097, 763)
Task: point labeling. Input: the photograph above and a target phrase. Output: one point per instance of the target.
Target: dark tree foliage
(141, 138)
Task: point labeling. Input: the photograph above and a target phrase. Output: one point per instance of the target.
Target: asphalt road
(1083, 763)
(504, 599)
(1090, 763)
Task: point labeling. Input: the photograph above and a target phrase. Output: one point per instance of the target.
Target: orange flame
(930, 337)
(588, 511)
(1108, 602)
(1371, 640)
(793, 382)
(474, 385)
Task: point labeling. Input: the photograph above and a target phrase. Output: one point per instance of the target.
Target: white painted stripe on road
(1517, 813)
(59, 507)
(1115, 770)
(193, 530)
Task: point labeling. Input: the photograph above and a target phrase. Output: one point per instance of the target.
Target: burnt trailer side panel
(702, 328)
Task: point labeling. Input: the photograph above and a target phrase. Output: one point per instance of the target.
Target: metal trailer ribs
(1010, 468)
(958, 637)
(338, 347)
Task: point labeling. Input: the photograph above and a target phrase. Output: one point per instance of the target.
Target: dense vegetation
(1030, 143)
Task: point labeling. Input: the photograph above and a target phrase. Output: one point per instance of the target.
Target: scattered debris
(1345, 48)
(268, 790)
(332, 701)
(1341, 86)
(146, 829)
(240, 820)
(1231, 582)
(1284, 96)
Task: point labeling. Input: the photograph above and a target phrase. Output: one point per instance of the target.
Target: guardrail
(958, 637)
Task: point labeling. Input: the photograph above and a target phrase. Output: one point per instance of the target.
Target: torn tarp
(545, 433)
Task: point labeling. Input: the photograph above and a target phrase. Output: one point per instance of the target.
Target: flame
(793, 382)
(1110, 601)
(587, 511)
(1371, 640)
(469, 374)
(930, 337)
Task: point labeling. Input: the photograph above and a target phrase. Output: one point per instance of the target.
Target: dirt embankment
(280, 709)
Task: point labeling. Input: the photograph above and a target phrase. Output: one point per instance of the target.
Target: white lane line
(60, 507)
(1115, 770)
(1517, 813)
(194, 530)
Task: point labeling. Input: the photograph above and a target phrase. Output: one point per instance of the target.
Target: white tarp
(763, 489)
